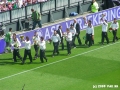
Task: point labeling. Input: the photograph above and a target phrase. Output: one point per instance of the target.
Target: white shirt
(114, 26)
(90, 30)
(42, 45)
(73, 31)
(36, 40)
(27, 44)
(55, 38)
(17, 44)
(69, 36)
(104, 26)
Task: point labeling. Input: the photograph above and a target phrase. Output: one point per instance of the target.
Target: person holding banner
(27, 51)
(16, 45)
(56, 40)
(77, 27)
(114, 27)
(8, 39)
(69, 41)
(42, 45)
(36, 40)
(104, 30)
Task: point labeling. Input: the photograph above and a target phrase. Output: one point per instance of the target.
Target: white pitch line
(56, 61)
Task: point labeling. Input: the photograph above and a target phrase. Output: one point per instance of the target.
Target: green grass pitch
(94, 68)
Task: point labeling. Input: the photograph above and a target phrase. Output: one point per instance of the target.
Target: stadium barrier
(46, 32)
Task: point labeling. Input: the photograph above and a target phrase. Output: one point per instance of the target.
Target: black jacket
(58, 32)
(77, 27)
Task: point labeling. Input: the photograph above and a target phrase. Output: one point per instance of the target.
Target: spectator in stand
(14, 5)
(94, 6)
(9, 6)
(20, 3)
(42, 0)
(4, 7)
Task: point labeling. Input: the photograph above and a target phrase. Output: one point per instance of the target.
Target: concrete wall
(59, 14)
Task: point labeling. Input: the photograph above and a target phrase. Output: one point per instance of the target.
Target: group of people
(58, 38)
(13, 41)
(6, 5)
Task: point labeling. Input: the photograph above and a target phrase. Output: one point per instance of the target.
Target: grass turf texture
(97, 67)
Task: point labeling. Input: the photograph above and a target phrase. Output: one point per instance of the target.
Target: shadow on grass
(5, 58)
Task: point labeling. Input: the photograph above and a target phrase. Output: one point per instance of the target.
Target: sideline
(56, 62)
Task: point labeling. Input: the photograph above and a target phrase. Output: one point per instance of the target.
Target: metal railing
(44, 7)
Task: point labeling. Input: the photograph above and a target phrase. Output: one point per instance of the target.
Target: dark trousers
(73, 41)
(35, 23)
(27, 52)
(89, 39)
(92, 40)
(104, 35)
(1, 33)
(79, 40)
(55, 44)
(114, 35)
(36, 47)
(69, 47)
(62, 43)
(42, 55)
(8, 45)
(16, 54)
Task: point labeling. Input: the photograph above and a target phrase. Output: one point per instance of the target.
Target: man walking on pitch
(16, 45)
(114, 26)
(77, 27)
(42, 45)
(104, 30)
(36, 41)
(8, 40)
(89, 33)
(69, 41)
(73, 31)
(27, 51)
(36, 17)
(56, 40)
(60, 33)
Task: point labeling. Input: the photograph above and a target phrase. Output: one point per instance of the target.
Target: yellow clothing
(94, 7)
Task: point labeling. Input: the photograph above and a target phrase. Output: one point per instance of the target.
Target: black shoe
(68, 54)
(52, 55)
(58, 53)
(21, 59)
(42, 62)
(30, 61)
(46, 60)
(15, 61)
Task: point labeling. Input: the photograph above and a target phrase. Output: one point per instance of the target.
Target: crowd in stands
(6, 5)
